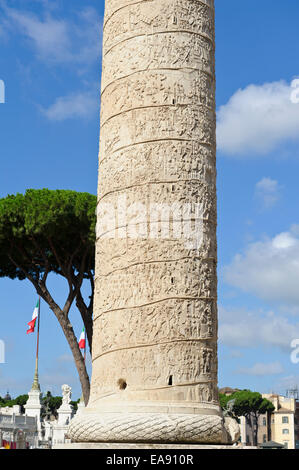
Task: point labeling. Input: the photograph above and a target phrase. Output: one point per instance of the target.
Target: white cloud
(234, 354)
(57, 40)
(76, 105)
(241, 328)
(261, 369)
(268, 268)
(65, 358)
(268, 192)
(258, 119)
(50, 37)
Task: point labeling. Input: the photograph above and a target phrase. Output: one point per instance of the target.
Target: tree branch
(26, 274)
(40, 251)
(60, 264)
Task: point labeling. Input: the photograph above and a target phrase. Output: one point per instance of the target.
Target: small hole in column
(170, 380)
(122, 384)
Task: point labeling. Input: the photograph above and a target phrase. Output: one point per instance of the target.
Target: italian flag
(82, 340)
(34, 317)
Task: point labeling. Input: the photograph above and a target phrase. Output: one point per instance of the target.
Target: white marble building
(28, 430)
(17, 428)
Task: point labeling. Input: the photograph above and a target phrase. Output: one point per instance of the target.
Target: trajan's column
(154, 372)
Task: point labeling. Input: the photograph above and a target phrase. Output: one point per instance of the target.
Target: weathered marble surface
(154, 372)
(135, 446)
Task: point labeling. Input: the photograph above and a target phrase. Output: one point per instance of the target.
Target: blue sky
(50, 62)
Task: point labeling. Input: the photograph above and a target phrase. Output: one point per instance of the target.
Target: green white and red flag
(82, 340)
(33, 321)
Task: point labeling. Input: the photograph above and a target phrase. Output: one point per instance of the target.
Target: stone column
(154, 376)
(34, 405)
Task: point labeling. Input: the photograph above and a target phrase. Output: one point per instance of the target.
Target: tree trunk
(86, 314)
(255, 430)
(62, 317)
(71, 339)
(79, 360)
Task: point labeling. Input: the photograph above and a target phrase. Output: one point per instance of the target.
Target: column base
(145, 446)
(165, 428)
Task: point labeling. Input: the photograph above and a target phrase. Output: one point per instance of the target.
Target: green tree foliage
(8, 403)
(55, 403)
(50, 405)
(21, 400)
(224, 399)
(249, 404)
(75, 404)
(45, 232)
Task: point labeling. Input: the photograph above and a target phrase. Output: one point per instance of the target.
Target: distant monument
(65, 413)
(154, 376)
(34, 403)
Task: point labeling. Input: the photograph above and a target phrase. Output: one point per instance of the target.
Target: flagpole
(38, 322)
(36, 385)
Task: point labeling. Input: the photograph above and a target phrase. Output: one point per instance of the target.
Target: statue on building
(66, 394)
